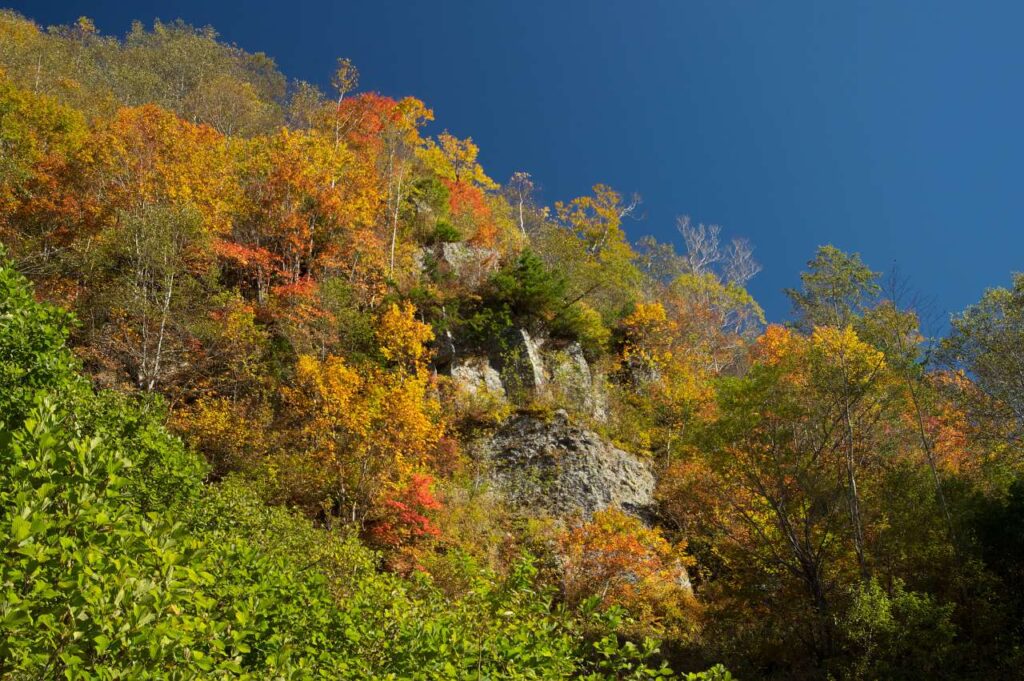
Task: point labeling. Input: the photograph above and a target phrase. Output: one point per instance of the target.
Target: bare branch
(701, 241)
(519, 190)
(740, 266)
(634, 202)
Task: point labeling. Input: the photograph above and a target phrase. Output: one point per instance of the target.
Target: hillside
(292, 388)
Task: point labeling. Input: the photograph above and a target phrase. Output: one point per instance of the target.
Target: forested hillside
(291, 388)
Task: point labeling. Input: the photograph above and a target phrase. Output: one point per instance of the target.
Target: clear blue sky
(889, 128)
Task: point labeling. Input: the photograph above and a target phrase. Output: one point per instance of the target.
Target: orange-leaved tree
(38, 136)
(147, 155)
(620, 561)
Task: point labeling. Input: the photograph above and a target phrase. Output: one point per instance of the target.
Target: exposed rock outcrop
(518, 358)
(575, 383)
(565, 470)
(521, 367)
(471, 265)
(475, 376)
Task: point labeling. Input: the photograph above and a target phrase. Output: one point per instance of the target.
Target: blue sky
(888, 128)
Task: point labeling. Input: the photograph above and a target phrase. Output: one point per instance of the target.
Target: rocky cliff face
(519, 366)
(518, 358)
(526, 367)
(566, 471)
(547, 465)
(475, 376)
(575, 382)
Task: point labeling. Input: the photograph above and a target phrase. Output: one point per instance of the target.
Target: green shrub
(584, 324)
(898, 634)
(32, 352)
(527, 294)
(444, 232)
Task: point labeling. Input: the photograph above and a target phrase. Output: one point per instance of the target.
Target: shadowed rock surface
(518, 359)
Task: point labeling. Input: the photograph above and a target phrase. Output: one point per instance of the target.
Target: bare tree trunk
(165, 314)
(394, 223)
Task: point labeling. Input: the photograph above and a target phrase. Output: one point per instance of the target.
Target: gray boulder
(566, 471)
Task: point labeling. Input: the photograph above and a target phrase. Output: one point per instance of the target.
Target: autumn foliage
(297, 283)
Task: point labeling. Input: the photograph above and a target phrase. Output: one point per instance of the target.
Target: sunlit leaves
(147, 155)
(402, 338)
(617, 560)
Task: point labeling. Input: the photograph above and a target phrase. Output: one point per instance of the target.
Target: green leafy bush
(32, 352)
(528, 294)
(899, 634)
(444, 232)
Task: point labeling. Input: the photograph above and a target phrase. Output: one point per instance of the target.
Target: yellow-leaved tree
(666, 379)
(355, 436)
